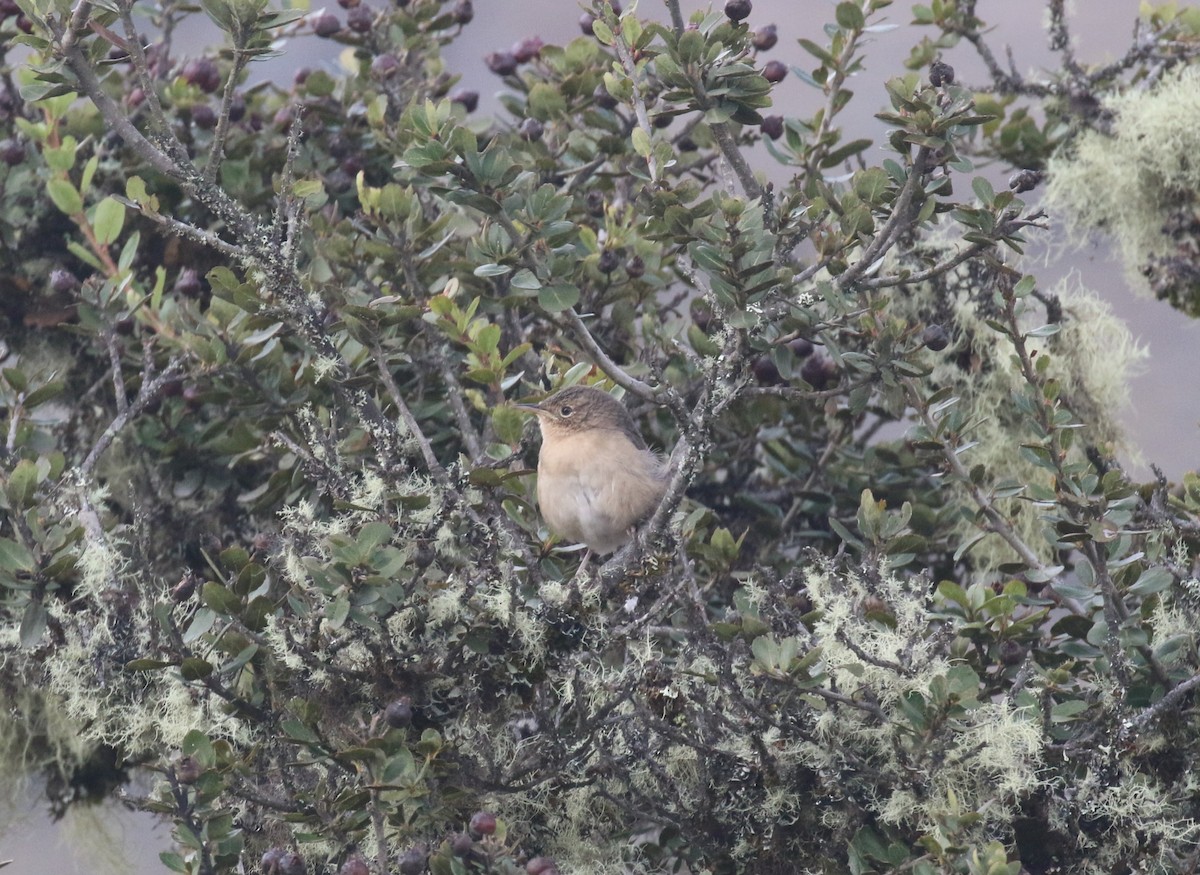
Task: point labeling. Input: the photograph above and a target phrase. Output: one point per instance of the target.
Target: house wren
(596, 478)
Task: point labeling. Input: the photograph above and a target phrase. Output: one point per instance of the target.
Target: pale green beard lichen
(1128, 184)
(1092, 357)
(990, 760)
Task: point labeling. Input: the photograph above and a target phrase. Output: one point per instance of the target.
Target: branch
(150, 389)
(619, 375)
(1172, 699)
(639, 105)
(896, 223)
(183, 229)
(414, 428)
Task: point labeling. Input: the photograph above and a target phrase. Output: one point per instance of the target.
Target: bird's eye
(565, 410)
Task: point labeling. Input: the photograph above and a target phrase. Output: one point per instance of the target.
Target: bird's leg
(587, 554)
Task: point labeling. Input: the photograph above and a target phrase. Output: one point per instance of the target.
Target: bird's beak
(532, 408)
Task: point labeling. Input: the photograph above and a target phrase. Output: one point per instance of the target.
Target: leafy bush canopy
(270, 528)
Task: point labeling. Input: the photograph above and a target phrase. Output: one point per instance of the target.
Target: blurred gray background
(1162, 421)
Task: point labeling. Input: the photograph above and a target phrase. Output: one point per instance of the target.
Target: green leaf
(14, 557)
(147, 664)
(850, 16)
(108, 220)
(297, 731)
(65, 196)
(33, 623)
(641, 142)
(983, 190)
(44, 393)
(194, 669)
(525, 280)
(22, 483)
(1152, 580)
(197, 744)
(173, 861)
(558, 297)
(218, 597)
(603, 32)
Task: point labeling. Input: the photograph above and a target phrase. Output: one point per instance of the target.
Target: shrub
(269, 527)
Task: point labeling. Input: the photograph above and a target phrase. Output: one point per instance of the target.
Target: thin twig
(619, 375)
(183, 229)
(414, 428)
(1170, 700)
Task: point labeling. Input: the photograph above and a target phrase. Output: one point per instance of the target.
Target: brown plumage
(596, 478)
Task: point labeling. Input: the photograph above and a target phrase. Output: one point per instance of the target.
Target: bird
(596, 477)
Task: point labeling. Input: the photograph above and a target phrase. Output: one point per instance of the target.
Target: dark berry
(384, 65)
(172, 388)
(531, 129)
(271, 859)
(180, 593)
(339, 146)
(360, 19)
(800, 347)
(7, 8)
(301, 75)
(203, 73)
(1011, 653)
(400, 713)
(63, 281)
(1025, 180)
(765, 38)
(766, 372)
(772, 126)
(585, 23)
(701, 314)
(338, 180)
(609, 261)
(187, 770)
(326, 25)
(603, 99)
(136, 97)
(501, 63)
(354, 866)
(284, 116)
(940, 73)
(540, 865)
(935, 337)
(774, 71)
(292, 864)
(662, 120)
(193, 396)
(483, 823)
(125, 326)
(412, 861)
(594, 203)
(237, 108)
(465, 97)
(463, 12)
(819, 371)
(348, 4)
(635, 267)
(188, 283)
(204, 117)
(738, 9)
(686, 144)
(24, 24)
(461, 845)
(527, 49)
